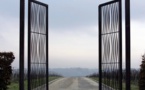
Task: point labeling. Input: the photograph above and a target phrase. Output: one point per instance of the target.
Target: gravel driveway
(74, 83)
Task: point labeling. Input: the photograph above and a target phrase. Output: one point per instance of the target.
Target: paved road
(74, 83)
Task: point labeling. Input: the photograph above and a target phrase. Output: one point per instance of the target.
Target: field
(15, 85)
(133, 86)
(52, 78)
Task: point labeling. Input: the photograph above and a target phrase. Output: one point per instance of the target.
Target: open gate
(110, 46)
(37, 45)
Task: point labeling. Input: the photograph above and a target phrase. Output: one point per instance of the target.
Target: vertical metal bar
(100, 49)
(127, 34)
(47, 48)
(29, 45)
(21, 47)
(120, 45)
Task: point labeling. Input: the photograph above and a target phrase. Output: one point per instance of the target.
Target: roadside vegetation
(14, 85)
(137, 77)
(6, 59)
(110, 82)
(94, 77)
(15, 80)
(53, 76)
(142, 74)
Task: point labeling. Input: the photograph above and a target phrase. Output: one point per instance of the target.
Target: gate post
(47, 52)
(120, 44)
(100, 50)
(127, 34)
(21, 47)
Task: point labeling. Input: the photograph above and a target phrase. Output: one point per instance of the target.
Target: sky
(73, 32)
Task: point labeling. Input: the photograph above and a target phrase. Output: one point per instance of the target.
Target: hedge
(6, 59)
(142, 74)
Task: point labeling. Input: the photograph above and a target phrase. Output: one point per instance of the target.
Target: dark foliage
(134, 76)
(54, 74)
(6, 58)
(93, 75)
(142, 74)
(15, 75)
(111, 75)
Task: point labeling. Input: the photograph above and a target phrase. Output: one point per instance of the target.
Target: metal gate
(110, 46)
(37, 45)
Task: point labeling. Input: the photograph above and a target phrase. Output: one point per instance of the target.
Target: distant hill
(73, 72)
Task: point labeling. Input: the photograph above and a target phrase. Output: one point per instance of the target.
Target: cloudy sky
(73, 32)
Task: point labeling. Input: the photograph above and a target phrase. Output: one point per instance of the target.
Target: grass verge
(15, 85)
(52, 78)
(133, 86)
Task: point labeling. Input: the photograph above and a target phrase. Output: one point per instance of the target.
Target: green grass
(95, 78)
(52, 78)
(15, 85)
(133, 86)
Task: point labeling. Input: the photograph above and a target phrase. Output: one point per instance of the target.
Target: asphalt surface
(74, 83)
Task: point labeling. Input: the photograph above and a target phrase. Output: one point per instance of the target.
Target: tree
(6, 58)
(142, 74)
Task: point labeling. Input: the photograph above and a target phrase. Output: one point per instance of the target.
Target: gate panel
(110, 46)
(37, 45)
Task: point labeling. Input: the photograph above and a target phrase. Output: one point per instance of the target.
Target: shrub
(93, 75)
(142, 74)
(6, 58)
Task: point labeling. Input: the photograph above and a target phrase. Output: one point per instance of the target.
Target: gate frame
(21, 44)
(29, 41)
(120, 42)
(128, 45)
